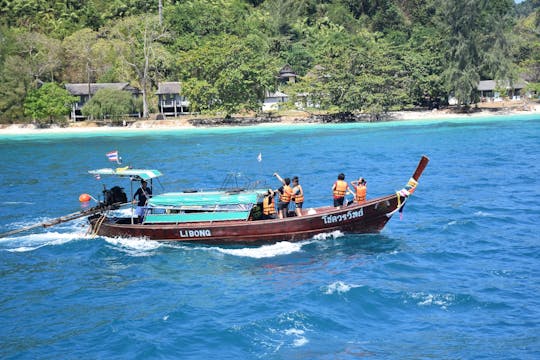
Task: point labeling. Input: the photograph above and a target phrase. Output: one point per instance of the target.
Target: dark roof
(486, 85)
(82, 89)
(287, 72)
(168, 88)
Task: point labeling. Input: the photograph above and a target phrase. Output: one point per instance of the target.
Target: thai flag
(113, 156)
(97, 176)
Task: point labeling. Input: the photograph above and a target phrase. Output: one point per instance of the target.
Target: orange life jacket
(361, 193)
(299, 197)
(340, 187)
(268, 206)
(286, 195)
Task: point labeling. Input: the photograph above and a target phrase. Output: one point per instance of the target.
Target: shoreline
(285, 120)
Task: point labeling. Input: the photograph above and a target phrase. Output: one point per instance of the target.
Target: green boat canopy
(136, 174)
(179, 207)
(215, 200)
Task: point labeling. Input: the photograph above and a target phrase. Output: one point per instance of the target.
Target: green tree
(476, 44)
(109, 103)
(423, 65)
(88, 57)
(28, 59)
(139, 44)
(361, 74)
(47, 103)
(227, 74)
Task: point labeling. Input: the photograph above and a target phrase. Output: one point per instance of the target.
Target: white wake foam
(334, 234)
(134, 246)
(265, 251)
(35, 241)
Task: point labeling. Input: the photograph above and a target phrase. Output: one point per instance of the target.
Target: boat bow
(403, 194)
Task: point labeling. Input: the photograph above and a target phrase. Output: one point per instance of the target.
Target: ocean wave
(482, 214)
(427, 299)
(339, 287)
(16, 203)
(299, 338)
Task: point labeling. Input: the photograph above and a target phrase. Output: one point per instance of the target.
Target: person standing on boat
(360, 187)
(269, 206)
(297, 196)
(340, 189)
(142, 194)
(285, 195)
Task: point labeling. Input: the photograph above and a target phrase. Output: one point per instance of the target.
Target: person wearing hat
(360, 187)
(142, 195)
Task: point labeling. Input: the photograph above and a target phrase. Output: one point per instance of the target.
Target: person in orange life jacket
(297, 196)
(142, 194)
(269, 206)
(360, 187)
(285, 195)
(340, 189)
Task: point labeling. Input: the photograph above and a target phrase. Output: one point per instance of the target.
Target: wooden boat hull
(369, 217)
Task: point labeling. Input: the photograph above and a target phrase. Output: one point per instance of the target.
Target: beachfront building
(273, 101)
(495, 91)
(85, 91)
(171, 102)
(491, 90)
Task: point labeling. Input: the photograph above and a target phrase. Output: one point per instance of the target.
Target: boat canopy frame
(133, 175)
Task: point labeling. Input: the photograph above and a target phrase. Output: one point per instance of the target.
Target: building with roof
(274, 100)
(287, 75)
(171, 102)
(491, 90)
(85, 91)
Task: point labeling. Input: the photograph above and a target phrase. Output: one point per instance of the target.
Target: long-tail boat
(234, 216)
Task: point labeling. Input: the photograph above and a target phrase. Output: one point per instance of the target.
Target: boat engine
(115, 195)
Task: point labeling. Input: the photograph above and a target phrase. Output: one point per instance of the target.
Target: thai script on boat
(195, 233)
(331, 219)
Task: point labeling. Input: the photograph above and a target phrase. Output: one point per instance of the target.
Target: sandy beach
(290, 118)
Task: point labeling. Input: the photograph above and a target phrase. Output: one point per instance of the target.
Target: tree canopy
(351, 56)
(48, 102)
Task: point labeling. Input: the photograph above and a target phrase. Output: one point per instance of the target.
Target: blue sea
(458, 277)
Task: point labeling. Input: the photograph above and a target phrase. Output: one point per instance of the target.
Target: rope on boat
(97, 226)
(404, 193)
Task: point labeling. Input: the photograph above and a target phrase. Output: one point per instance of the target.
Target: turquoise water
(457, 277)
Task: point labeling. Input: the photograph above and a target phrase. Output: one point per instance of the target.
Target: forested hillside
(361, 55)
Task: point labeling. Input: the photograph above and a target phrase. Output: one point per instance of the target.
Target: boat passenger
(360, 188)
(298, 196)
(285, 195)
(142, 194)
(269, 206)
(340, 189)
